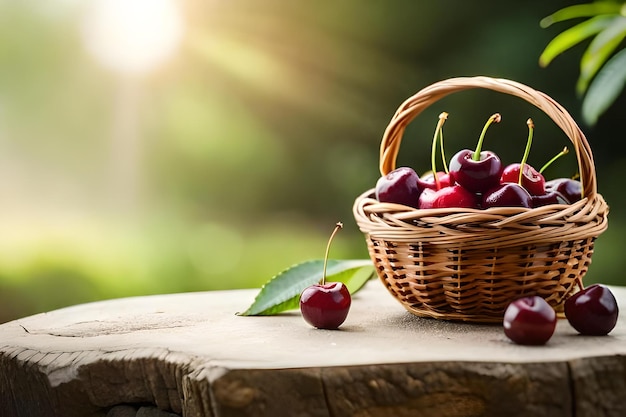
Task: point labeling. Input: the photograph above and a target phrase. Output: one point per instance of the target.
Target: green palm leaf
(605, 88)
(582, 10)
(572, 36)
(599, 50)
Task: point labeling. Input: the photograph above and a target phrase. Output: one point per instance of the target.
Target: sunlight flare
(132, 37)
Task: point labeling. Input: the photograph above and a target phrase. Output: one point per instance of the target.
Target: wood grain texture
(190, 355)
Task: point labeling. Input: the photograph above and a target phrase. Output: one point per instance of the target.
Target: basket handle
(414, 105)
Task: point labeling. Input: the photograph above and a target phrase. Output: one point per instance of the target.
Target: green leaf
(599, 50)
(581, 10)
(605, 88)
(572, 36)
(282, 292)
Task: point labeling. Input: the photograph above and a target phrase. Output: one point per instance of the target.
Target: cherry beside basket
(469, 264)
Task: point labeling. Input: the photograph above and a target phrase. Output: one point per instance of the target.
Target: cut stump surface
(191, 355)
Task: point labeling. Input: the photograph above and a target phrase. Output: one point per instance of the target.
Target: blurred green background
(153, 146)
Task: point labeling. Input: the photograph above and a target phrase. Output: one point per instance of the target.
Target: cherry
(508, 194)
(477, 171)
(529, 321)
(428, 180)
(325, 305)
(403, 185)
(569, 188)
(532, 180)
(547, 198)
(592, 311)
(400, 186)
(452, 196)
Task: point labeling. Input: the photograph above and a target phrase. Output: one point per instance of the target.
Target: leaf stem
(338, 226)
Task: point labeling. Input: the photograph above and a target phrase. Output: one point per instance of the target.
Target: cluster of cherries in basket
(477, 179)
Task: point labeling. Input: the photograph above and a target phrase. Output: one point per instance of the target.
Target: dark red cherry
(592, 311)
(567, 187)
(476, 175)
(532, 180)
(549, 197)
(529, 321)
(325, 306)
(453, 196)
(428, 181)
(400, 186)
(507, 195)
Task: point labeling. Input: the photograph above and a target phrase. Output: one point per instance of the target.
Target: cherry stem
(438, 131)
(338, 226)
(495, 118)
(565, 151)
(529, 142)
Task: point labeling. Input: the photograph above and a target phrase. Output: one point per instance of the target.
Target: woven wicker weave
(465, 264)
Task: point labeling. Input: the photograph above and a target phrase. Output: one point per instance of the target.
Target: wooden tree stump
(191, 355)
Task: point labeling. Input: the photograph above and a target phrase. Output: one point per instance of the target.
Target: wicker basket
(465, 264)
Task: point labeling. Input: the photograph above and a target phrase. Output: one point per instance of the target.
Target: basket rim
(424, 98)
(496, 226)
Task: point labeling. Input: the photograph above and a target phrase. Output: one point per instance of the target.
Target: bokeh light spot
(132, 37)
